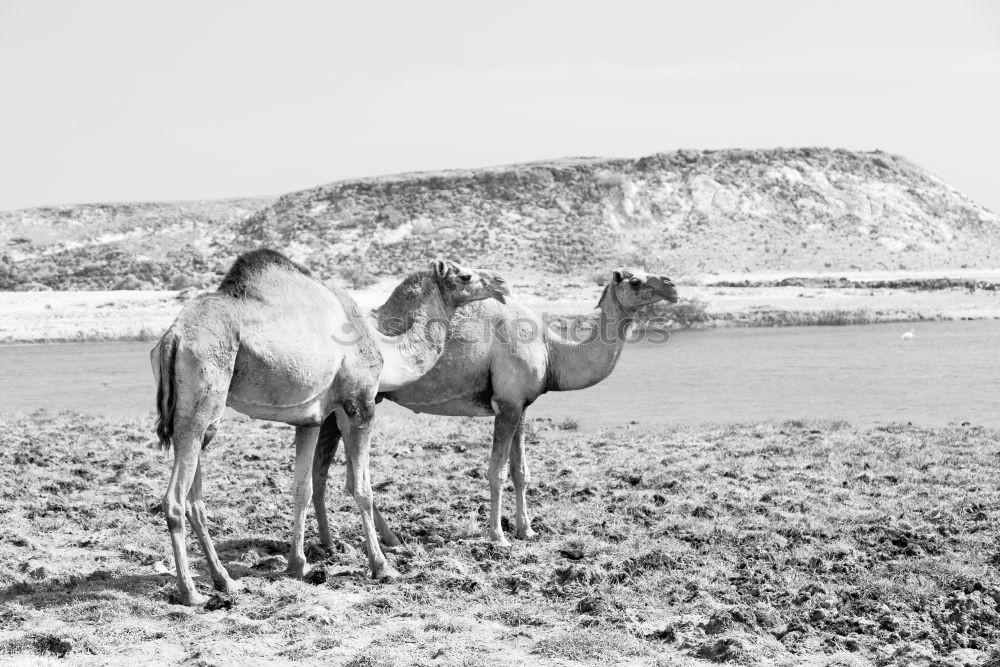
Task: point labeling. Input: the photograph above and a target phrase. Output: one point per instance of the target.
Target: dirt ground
(779, 543)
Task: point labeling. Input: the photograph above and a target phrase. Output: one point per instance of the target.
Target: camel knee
(521, 475)
(363, 497)
(497, 476)
(173, 511)
(195, 511)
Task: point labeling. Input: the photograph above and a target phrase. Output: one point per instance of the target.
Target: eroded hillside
(731, 211)
(120, 246)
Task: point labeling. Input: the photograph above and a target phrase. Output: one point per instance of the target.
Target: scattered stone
(665, 634)
(57, 646)
(703, 512)
(272, 564)
(593, 606)
(572, 553)
(316, 552)
(220, 601)
(724, 620)
(316, 576)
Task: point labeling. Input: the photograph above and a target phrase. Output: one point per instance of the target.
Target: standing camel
(499, 358)
(274, 343)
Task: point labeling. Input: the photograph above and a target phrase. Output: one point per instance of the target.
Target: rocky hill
(691, 212)
(120, 246)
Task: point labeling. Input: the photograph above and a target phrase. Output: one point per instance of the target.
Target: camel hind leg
(326, 448)
(505, 425)
(200, 400)
(198, 517)
(356, 424)
(521, 477)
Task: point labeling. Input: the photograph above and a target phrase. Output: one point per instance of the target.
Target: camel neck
(584, 363)
(410, 355)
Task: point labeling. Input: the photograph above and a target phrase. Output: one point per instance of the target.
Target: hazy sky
(111, 101)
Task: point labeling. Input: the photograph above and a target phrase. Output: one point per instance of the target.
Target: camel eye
(465, 277)
(635, 282)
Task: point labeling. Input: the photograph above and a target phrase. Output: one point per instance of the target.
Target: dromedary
(273, 343)
(498, 359)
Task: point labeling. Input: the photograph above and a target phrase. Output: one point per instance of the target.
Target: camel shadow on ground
(104, 585)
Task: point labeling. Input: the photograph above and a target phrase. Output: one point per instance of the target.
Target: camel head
(459, 284)
(635, 288)
(454, 284)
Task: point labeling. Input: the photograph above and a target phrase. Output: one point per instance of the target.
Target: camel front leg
(305, 448)
(521, 476)
(357, 443)
(198, 517)
(504, 426)
(186, 452)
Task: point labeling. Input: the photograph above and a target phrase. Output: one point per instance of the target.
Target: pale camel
(274, 343)
(498, 359)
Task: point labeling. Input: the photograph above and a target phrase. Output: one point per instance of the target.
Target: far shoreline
(743, 301)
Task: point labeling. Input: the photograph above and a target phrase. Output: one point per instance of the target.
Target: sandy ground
(779, 543)
(66, 316)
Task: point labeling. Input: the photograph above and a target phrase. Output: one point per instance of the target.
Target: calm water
(949, 372)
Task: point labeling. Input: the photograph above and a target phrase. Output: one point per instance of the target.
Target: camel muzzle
(498, 288)
(667, 290)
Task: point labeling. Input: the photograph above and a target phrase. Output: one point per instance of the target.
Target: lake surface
(948, 372)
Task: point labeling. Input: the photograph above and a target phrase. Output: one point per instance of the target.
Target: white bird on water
(909, 335)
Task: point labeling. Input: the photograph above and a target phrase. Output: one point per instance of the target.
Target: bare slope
(119, 246)
(708, 212)
(732, 211)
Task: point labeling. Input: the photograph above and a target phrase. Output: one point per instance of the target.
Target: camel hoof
(227, 585)
(193, 599)
(296, 570)
(388, 574)
(525, 533)
(500, 540)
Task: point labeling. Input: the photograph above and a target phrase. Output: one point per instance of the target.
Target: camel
(498, 359)
(276, 344)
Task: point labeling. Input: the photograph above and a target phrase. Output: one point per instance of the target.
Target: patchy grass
(766, 543)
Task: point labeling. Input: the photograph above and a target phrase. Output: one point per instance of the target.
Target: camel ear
(617, 275)
(440, 268)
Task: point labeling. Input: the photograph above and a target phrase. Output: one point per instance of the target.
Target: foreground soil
(774, 543)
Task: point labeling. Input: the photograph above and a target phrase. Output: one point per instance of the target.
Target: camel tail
(163, 358)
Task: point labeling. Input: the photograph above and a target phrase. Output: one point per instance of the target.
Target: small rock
(220, 601)
(272, 564)
(664, 634)
(57, 646)
(316, 576)
(316, 552)
(703, 512)
(592, 606)
(572, 553)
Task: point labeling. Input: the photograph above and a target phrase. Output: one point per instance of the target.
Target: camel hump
(243, 276)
